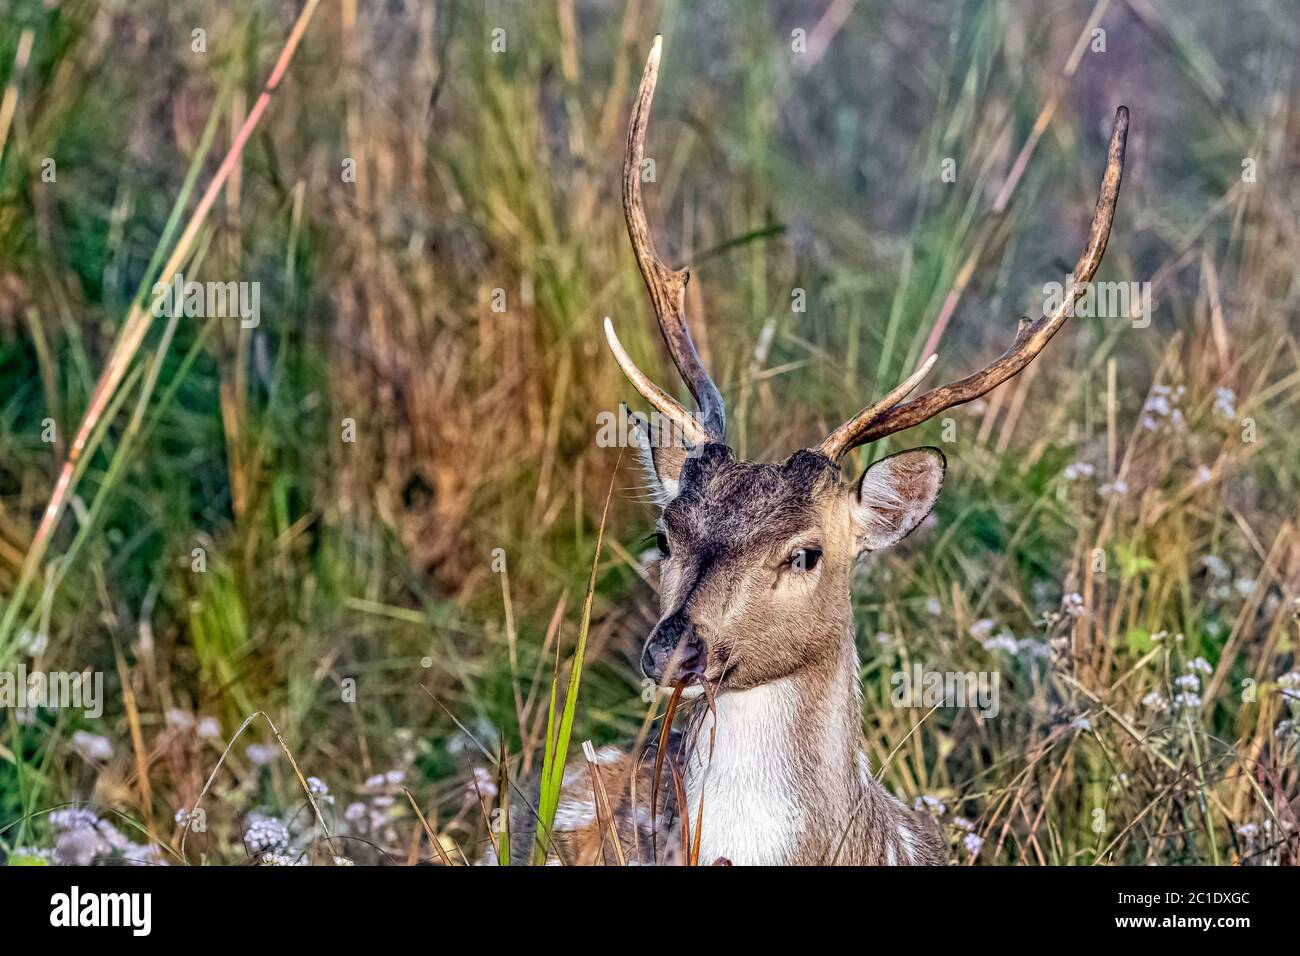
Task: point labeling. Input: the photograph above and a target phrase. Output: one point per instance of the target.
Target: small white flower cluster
(81, 838)
(259, 755)
(266, 834)
(1078, 469)
(1003, 642)
(320, 790)
(982, 631)
(379, 807)
(1073, 605)
(1225, 403)
(93, 748)
(483, 784)
(971, 840)
(32, 643)
(1027, 647)
(1216, 566)
(1289, 727)
(929, 804)
(284, 859)
(1163, 406)
(1155, 701)
(1264, 844)
(184, 721)
(1114, 489)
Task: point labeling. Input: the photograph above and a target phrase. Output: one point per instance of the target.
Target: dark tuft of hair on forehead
(730, 500)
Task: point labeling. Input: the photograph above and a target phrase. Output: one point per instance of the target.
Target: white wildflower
(283, 859)
(180, 719)
(262, 754)
(1073, 604)
(1114, 489)
(483, 783)
(1217, 567)
(1003, 642)
(1225, 403)
(92, 746)
(319, 789)
(930, 804)
(266, 834)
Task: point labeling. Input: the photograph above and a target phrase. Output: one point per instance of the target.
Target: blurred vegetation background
(430, 206)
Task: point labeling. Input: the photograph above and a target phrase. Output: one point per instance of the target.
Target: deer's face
(757, 558)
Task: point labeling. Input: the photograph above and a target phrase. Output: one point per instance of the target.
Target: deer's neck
(780, 766)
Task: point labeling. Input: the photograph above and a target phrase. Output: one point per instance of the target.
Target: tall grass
(219, 549)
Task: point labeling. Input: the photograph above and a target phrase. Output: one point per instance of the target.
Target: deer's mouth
(690, 690)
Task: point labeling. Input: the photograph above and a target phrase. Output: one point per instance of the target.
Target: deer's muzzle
(675, 651)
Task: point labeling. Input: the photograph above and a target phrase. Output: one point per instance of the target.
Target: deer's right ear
(894, 495)
(662, 455)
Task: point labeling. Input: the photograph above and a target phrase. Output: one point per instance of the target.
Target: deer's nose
(674, 646)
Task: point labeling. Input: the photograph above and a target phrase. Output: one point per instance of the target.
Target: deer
(756, 632)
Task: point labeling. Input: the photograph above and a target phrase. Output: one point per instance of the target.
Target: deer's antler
(667, 289)
(888, 416)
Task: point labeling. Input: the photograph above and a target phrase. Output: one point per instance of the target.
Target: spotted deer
(756, 626)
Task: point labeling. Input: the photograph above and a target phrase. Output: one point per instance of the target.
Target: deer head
(757, 557)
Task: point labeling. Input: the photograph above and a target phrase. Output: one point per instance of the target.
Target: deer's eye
(661, 542)
(804, 559)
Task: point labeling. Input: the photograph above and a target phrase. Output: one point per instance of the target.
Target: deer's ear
(662, 454)
(894, 495)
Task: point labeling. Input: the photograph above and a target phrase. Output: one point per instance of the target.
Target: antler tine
(1031, 337)
(834, 445)
(664, 403)
(667, 287)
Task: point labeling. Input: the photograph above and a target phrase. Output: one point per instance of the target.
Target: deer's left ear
(894, 495)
